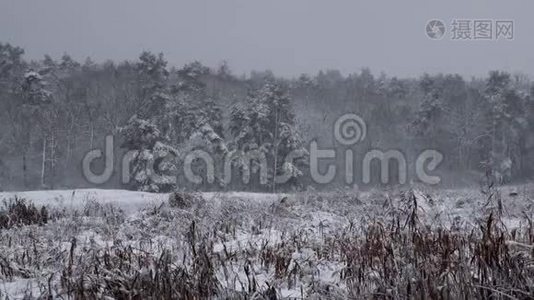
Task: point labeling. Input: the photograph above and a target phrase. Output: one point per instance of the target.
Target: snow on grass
(129, 201)
(76, 199)
(290, 241)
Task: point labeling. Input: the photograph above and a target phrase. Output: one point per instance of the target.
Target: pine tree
(12, 68)
(195, 119)
(152, 159)
(506, 124)
(149, 155)
(266, 123)
(153, 84)
(191, 110)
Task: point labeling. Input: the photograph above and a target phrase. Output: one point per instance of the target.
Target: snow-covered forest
(55, 110)
(266, 150)
(139, 177)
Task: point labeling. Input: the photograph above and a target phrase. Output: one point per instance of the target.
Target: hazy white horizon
(287, 37)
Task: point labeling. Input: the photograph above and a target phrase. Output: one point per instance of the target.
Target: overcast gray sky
(288, 37)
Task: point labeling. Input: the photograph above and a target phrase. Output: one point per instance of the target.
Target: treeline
(54, 111)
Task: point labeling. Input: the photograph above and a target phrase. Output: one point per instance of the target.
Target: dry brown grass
(401, 257)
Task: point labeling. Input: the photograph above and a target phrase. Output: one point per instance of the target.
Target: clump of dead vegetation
(18, 212)
(397, 255)
(407, 259)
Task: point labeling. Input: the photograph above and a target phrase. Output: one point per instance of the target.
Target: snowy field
(115, 244)
(128, 201)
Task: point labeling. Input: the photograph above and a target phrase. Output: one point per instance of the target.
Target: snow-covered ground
(255, 229)
(452, 202)
(129, 201)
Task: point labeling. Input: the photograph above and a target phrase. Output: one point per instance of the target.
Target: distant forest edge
(54, 111)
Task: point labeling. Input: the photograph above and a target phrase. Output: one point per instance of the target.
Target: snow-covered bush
(151, 165)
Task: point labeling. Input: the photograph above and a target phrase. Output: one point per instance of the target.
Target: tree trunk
(92, 136)
(24, 169)
(53, 161)
(43, 165)
(275, 168)
(68, 154)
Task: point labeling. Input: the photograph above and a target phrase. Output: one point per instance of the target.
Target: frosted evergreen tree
(506, 124)
(191, 110)
(266, 123)
(152, 161)
(12, 69)
(194, 118)
(34, 89)
(28, 102)
(151, 167)
(153, 84)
